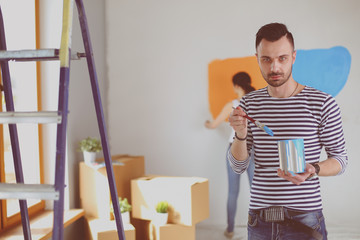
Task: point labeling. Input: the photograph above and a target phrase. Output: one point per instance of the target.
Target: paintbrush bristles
(259, 124)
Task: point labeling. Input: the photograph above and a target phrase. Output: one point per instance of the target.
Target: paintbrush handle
(259, 125)
(251, 119)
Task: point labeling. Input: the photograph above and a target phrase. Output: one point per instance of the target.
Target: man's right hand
(238, 122)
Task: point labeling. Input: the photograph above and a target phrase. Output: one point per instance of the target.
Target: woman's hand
(208, 124)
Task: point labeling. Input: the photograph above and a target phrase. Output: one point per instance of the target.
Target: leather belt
(276, 213)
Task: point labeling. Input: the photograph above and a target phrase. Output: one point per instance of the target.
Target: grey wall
(157, 54)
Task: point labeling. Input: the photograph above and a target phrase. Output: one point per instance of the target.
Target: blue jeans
(233, 191)
(290, 229)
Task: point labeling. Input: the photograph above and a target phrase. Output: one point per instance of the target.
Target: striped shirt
(311, 115)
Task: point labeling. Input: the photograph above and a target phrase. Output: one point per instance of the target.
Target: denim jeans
(290, 229)
(233, 191)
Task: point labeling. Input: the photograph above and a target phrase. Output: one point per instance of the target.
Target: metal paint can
(292, 155)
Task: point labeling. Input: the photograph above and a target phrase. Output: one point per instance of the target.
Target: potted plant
(125, 209)
(161, 216)
(90, 146)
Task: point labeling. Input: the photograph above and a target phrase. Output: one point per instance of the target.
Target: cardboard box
(142, 228)
(146, 230)
(188, 198)
(94, 186)
(101, 229)
(172, 232)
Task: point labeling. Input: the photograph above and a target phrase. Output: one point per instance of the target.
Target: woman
(242, 85)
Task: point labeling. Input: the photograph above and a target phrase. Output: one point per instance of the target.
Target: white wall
(82, 120)
(157, 54)
(82, 117)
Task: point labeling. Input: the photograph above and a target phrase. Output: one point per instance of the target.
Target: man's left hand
(297, 178)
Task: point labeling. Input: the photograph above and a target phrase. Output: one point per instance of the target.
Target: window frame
(5, 221)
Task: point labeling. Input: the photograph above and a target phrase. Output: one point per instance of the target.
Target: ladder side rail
(13, 131)
(58, 230)
(100, 116)
(65, 52)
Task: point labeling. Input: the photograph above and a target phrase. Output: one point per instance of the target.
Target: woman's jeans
(233, 191)
(300, 226)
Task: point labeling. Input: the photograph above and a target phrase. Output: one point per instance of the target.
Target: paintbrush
(259, 124)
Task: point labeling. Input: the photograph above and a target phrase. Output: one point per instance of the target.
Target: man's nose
(275, 65)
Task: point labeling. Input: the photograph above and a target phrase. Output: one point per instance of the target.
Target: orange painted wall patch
(220, 80)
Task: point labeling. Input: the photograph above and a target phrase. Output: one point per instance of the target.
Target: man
(282, 205)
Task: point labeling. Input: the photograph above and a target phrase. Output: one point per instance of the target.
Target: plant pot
(125, 217)
(160, 219)
(89, 157)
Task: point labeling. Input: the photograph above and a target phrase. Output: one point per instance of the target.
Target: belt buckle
(274, 214)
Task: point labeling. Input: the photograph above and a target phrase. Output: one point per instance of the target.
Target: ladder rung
(35, 55)
(30, 117)
(26, 191)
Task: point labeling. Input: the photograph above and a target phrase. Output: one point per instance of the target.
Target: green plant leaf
(124, 206)
(90, 144)
(162, 207)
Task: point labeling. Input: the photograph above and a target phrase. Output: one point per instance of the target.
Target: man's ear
(294, 56)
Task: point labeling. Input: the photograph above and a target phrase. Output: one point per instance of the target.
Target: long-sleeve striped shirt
(311, 115)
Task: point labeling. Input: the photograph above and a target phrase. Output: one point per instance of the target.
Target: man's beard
(278, 82)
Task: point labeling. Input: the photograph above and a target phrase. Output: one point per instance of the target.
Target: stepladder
(22, 190)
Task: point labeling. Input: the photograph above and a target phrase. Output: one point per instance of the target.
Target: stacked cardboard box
(95, 194)
(188, 199)
(172, 232)
(102, 229)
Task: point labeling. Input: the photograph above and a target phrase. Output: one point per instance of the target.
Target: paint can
(292, 155)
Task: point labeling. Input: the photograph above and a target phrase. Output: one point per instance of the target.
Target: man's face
(275, 60)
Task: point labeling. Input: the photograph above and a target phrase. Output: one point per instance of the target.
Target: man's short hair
(273, 32)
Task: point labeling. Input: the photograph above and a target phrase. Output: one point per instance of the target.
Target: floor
(216, 233)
